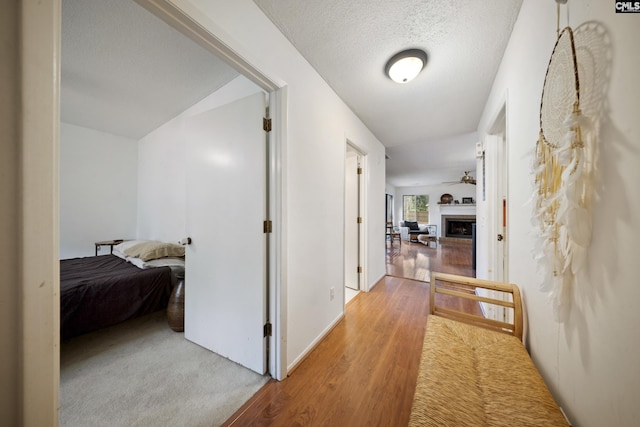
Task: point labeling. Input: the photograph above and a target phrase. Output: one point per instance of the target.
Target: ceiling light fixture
(406, 65)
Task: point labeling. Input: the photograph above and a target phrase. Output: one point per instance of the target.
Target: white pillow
(154, 249)
(160, 262)
(118, 250)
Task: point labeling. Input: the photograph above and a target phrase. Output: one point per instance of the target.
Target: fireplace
(458, 226)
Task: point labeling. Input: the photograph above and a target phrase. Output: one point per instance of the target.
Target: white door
(502, 239)
(225, 283)
(501, 209)
(352, 226)
(496, 177)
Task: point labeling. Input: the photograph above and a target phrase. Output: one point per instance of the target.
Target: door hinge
(359, 269)
(268, 329)
(359, 220)
(359, 171)
(268, 226)
(266, 124)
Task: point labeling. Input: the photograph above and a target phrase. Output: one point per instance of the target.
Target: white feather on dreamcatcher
(563, 170)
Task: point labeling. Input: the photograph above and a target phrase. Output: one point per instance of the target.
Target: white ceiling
(126, 72)
(349, 43)
(433, 163)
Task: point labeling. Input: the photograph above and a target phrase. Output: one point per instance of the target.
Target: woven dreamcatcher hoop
(562, 176)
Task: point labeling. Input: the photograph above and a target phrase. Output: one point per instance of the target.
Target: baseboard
(320, 337)
(380, 279)
(313, 345)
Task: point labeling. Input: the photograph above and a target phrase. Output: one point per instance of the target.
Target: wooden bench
(475, 371)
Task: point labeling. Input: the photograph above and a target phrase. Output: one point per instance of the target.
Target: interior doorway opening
(499, 199)
(497, 179)
(41, 367)
(354, 220)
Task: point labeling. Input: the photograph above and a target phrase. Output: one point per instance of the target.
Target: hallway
(364, 371)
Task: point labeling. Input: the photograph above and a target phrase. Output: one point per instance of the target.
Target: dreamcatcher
(563, 173)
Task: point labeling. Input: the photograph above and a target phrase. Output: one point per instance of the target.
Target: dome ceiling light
(406, 65)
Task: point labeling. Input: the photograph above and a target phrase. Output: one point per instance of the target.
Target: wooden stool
(395, 235)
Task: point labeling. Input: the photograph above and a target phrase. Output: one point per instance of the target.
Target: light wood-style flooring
(363, 373)
(416, 260)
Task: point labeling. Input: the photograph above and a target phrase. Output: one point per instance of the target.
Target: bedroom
(127, 179)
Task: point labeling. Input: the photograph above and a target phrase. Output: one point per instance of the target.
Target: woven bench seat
(472, 376)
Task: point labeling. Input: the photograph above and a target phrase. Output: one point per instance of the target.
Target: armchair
(409, 230)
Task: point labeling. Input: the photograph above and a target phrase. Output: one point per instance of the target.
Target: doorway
(41, 381)
(499, 200)
(209, 144)
(353, 221)
(497, 190)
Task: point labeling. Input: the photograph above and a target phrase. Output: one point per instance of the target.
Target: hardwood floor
(416, 260)
(364, 371)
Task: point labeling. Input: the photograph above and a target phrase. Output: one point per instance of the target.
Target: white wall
(98, 189)
(390, 189)
(590, 362)
(458, 191)
(319, 124)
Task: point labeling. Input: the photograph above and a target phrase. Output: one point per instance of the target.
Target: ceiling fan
(466, 179)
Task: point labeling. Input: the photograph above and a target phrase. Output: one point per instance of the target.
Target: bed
(101, 291)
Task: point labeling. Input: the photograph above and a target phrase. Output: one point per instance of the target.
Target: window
(416, 208)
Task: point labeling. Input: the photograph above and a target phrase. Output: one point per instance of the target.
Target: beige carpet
(141, 373)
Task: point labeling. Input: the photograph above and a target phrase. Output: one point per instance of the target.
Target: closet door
(225, 286)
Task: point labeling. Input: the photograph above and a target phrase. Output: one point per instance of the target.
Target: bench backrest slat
(465, 287)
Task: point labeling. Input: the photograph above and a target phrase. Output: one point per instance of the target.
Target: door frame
(497, 172)
(362, 203)
(499, 202)
(38, 311)
(349, 221)
(40, 33)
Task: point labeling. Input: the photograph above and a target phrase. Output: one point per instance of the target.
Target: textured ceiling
(126, 72)
(433, 163)
(349, 42)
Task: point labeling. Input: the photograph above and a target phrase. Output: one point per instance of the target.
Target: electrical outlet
(332, 293)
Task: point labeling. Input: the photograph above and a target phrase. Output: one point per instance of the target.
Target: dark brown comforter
(100, 291)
